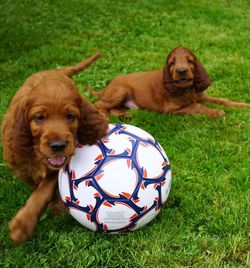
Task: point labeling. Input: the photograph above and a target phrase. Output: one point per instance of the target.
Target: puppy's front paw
(244, 104)
(21, 227)
(216, 113)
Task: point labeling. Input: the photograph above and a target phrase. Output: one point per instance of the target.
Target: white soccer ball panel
(115, 217)
(84, 159)
(138, 132)
(147, 195)
(145, 219)
(117, 178)
(82, 218)
(63, 185)
(151, 160)
(118, 143)
(85, 194)
(166, 186)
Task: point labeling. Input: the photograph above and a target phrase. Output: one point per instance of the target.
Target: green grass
(205, 222)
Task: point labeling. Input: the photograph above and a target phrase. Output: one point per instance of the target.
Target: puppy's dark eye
(191, 62)
(70, 117)
(171, 63)
(39, 118)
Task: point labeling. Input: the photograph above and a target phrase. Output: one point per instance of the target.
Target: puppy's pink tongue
(57, 160)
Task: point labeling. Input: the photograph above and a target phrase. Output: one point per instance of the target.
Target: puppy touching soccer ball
(118, 184)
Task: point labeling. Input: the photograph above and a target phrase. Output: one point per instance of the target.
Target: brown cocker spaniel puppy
(45, 120)
(177, 88)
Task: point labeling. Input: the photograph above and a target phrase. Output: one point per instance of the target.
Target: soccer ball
(118, 184)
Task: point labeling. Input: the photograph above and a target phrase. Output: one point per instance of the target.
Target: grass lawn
(205, 222)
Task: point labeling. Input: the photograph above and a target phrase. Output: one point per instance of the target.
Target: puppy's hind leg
(112, 98)
(121, 112)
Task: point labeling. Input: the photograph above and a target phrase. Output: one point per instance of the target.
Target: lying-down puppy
(177, 88)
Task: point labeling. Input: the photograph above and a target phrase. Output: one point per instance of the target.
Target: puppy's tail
(70, 71)
(92, 91)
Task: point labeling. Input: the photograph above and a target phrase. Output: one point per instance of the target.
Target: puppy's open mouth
(183, 80)
(56, 161)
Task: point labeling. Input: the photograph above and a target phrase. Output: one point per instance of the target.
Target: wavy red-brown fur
(177, 88)
(46, 110)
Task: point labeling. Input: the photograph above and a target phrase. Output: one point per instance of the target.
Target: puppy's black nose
(182, 71)
(57, 146)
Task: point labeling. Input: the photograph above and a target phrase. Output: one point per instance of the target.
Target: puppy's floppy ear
(201, 78)
(166, 74)
(167, 79)
(20, 137)
(92, 126)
